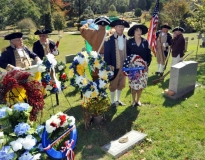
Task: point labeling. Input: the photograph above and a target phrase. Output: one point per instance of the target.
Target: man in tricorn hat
(163, 42)
(44, 45)
(178, 45)
(114, 56)
(16, 55)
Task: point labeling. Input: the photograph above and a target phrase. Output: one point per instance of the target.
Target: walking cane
(162, 78)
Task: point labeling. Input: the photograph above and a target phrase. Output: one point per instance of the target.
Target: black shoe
(157, 73)
(113, 105)
(161, 74)
(121, 103)
(135, 104)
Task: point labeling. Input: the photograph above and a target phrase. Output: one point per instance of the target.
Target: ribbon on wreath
(133, 73)
(68, 148)
(59, 138)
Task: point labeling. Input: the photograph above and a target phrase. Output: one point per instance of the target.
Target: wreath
(78, 78)
(60, 120)
(135, 68)
(18, 86)
(49, 80)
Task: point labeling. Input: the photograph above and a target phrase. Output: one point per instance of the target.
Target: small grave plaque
(116, 149)
(69, 58)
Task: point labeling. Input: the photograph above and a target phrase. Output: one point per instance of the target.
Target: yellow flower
(107, 85)
(96, 64)
(80, 69)
(85, 81)
(71, 72)
(94, 94)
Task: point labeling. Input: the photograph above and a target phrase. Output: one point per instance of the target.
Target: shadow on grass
(91, 140)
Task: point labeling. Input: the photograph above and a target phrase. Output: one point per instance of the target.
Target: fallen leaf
(89, 146)
(196, 106)
(149, 140)
(141, 151)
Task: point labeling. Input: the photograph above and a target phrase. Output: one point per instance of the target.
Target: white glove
(55, 51)
(39, 62)
(18, 68)
(89, 21)
(164, 44)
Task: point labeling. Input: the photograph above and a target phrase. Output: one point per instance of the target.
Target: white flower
(41, 68)
(16, 145)
(101, 84)
(79, 81)
(1, 141)
(88, 94)
(1, 134)
(60, 67)
(103, 74)
(36, 156)
(51, 59)
(29, 142)
(94, 54)
(49, 87)
(72, 119)
(79, 59)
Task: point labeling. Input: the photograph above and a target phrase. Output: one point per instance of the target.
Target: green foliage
(26, 23)
(21, 9)
(112, 13)
(87, 14)
(197, 20)
(138, 12)
(122, 9)
(112, 8)
(31, 39)
(58, 21)
(48, 21)
(142, 4)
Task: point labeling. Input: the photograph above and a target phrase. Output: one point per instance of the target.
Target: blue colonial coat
(8, 57)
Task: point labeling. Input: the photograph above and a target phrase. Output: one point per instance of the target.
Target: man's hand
(39, 62)
(164, 44)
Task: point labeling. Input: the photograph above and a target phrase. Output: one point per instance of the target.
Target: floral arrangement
(90, 89)
(17, 86)
(49, 80)
(96, 106)
(19, 138)
(59, 120)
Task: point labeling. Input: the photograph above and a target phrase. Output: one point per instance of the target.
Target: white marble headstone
(117, 149)
(183, 78)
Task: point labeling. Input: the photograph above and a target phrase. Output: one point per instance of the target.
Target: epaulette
(3, 49)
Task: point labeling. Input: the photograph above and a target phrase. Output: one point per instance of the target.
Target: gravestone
(69, 58)
(182, 78)
(116, 149)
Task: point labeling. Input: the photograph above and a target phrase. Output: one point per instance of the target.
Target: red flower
(64, 76)
(54, 86)
(54, 124)
(62, 118)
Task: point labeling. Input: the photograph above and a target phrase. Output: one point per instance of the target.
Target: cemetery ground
(174, 128)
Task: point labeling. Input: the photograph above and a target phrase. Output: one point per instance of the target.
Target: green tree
(142, 4)
(133, 4)
(21, 9)
(27, 23)
(138, 12)
(112, 8)
(87, 14)
(58, 21)
(48, 23)
(122, 9)
(3, 13)
(112, 11)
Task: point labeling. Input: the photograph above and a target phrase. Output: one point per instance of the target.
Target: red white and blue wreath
(135, 68)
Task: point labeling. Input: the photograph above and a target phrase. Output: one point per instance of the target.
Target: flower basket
(93, 108)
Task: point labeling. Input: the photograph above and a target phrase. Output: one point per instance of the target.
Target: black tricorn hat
(131, 31)
(42, 31)
(178, 29)
(165, 26)
(119, 22)
(102, 20)
(13, 36)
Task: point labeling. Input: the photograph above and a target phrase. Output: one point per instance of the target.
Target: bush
(27, 23)
(138, 12)
(112, 13)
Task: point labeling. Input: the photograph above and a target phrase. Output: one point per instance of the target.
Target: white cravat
(120, 41)
(163, 33)
(20, 52)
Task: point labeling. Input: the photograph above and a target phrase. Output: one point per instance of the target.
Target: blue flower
(21, 128)
(6, 153)
(39, 130)
(21, 107)
(3, 111)
(48, 64)
(26, 156)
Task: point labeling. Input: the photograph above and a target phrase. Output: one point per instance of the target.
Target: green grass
(174, 128)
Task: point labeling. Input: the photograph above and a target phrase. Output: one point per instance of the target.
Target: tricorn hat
(131, 31)
(42, 31)
(102, 20)
(119, 22)
(178, 29)
(165, 26)
(13, 36)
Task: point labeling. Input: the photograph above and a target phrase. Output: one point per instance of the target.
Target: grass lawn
(175, 128)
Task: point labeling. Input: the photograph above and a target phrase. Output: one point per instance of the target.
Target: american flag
(152, 29)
